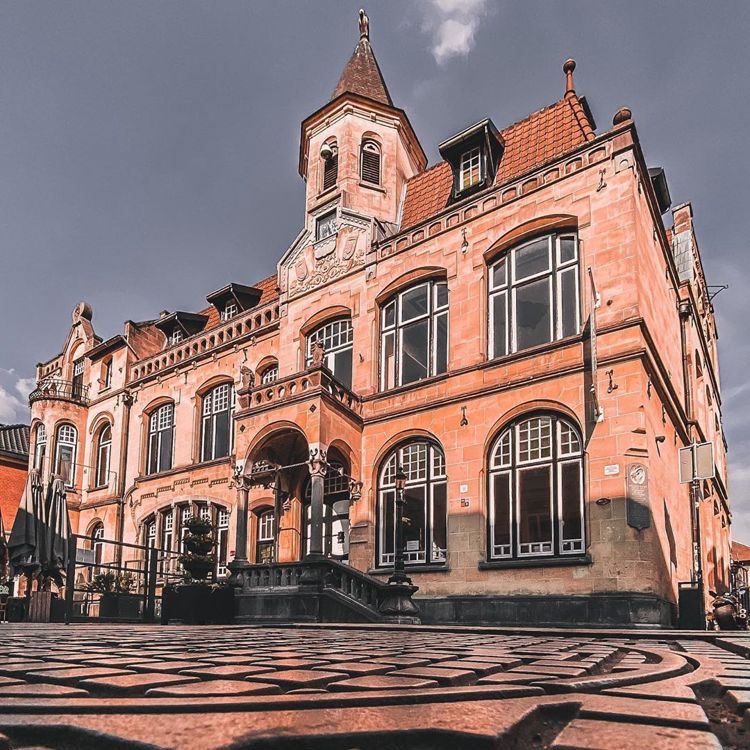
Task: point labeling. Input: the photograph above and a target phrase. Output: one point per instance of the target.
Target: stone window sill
(410, 569)
(536, 562)
(372, 186)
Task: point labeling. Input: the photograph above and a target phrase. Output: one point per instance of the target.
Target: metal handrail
(65, 390)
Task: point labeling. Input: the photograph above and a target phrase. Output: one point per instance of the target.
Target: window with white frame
(97, 544)
(106, 379)
(231, 308)
(264, 541)
(534, 294)
(222, 541)
(160, 439)
(186, 513)
(536, 490)
(369, 166)
(414, 335)
(426, 504)
(103, 454)
(77, 385)
(216, 422)
(336, 337)
(167, 539)
(65, 453)
(471, 169)
(325, 226)
(176, 336)
(335, 512)
(150, 534)
(270, 374)
(40, 447)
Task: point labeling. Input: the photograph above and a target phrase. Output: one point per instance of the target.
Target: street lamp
(399, 573)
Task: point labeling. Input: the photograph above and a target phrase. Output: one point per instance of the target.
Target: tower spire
(362, 74)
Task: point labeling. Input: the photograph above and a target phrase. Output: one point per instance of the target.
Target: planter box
(197, 604)
(120, 607)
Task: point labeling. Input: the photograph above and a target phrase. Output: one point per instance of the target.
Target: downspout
(695, 521)
(127, 402)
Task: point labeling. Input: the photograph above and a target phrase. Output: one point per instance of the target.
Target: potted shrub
(196, 601)
(117, 600)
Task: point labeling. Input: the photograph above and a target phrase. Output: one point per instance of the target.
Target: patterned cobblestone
(117, 686)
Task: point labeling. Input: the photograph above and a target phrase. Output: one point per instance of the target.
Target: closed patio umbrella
(27, 535)
(54, 557)
(3, 551)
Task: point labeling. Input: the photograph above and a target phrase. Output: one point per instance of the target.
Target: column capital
(318, 464)
(240, 481)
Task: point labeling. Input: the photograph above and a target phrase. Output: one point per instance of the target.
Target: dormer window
(474, 156)
(325, 226)
(230, 310)
(370, 162)
(471, 169)
(176, 337)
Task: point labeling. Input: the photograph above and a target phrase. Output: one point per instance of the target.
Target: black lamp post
(399, 572)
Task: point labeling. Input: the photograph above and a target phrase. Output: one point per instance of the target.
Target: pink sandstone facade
(514, 326)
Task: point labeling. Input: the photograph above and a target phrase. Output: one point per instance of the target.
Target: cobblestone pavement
(365, 687)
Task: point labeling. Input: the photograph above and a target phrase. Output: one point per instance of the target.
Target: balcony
(53, 389)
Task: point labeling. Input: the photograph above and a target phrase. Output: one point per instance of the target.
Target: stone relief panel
(312, 264)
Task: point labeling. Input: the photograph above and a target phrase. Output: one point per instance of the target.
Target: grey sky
(148, 150)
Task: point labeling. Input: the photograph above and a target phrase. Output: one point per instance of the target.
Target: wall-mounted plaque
(637, 509)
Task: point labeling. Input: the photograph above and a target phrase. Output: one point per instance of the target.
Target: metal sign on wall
(637, 507)
(696, 462)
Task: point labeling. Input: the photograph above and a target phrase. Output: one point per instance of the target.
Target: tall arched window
(330, 158)
(336, 337)
(103, 454)
(426, 507)
(534, 297)
(414, 334)
(97, 543)
(270, 373)
(216, 422)
(40, 447)
(160, 439)
(369, 162)
(536, 489)
(66, 444)
(264, 537)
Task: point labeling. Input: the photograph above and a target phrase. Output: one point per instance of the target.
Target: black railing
(100, 588)
(61, 390)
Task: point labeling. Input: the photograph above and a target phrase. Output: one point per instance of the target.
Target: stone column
(318, 467)
(241, 483)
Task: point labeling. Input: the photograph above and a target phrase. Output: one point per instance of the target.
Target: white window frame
(103, 457)
(222, 540)
(67, 437)
(40, 447)
(159, 421)
(471, 160)
(219, 399)
(270, 374)
(566, 448)
(231, 309)
(434, 312)
(556, 270)
(337, 337)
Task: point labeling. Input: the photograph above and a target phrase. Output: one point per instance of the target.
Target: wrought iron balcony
(60, 390)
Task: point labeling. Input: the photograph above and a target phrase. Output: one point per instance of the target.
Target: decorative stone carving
(318, 352)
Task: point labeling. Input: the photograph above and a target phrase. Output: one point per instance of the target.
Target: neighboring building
(14, 462)
(514, 326)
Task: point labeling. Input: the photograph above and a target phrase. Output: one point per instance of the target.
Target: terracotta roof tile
(740, 552)
(14, 438)
(529, 143)
(362, 76)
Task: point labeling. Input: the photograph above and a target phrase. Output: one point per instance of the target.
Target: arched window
(40, 447)
(414, 334)
(264, 538)
(103, 454)
(426, 507)
(335, 512)
(369, 162)
(160, 439)
(536, 489)
(77, 384)
(216, 423)
(66, 445)
(336, 337)
(330, 157)
(150, 533)
(97, 543)
(534, 296)
(270, 373)
(222, 541)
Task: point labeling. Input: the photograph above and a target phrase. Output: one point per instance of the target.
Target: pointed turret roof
(362, 74)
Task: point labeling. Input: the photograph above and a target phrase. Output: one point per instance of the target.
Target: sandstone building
(523, 327)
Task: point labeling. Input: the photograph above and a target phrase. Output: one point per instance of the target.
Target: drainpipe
(127, 402)
(695, 521)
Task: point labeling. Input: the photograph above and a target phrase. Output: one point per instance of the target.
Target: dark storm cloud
(148, 151)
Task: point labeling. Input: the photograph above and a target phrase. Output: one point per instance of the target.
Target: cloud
(12, 409)
(452, 24)
(24, 386)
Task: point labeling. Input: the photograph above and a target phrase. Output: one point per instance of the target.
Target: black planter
(120, 606)
(197, 545)
(197, 604)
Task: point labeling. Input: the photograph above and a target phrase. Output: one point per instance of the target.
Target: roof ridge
(362, 75)
(578, 112)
